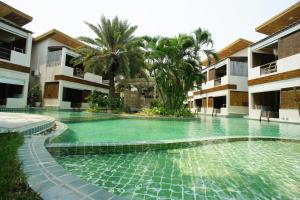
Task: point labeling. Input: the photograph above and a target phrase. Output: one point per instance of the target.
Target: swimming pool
(252, 169)
(137, 130)
(237, 170)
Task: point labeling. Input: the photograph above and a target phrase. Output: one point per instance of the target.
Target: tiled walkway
(49, 179)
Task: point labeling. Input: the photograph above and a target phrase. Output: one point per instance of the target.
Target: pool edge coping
(49, 179)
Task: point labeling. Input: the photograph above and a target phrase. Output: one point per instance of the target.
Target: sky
(226, 20)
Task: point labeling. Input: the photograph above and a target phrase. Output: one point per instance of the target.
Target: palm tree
(114, 52)
(176, 66)
(202, 44)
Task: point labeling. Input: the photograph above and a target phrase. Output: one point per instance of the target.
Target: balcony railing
(5, 53)
(78, 72)
(268, 68)
(217, 81)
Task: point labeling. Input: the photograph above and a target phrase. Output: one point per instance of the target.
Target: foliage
(13, 183)
(155, 103)
(36, 94)
(175, 65)
(114, 52)
(161, 111)
(99, 101)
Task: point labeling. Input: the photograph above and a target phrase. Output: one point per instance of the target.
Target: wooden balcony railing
(217, 81)
(268, 68)
(5, 53)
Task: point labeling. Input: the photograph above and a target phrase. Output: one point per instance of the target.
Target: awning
(14, 81)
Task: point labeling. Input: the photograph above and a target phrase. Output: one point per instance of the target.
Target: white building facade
(225, 91)
(63, 85)
(274, 70)
(15, 55)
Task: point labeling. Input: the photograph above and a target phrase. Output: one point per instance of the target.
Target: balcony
(218, 81)
(5, 53)
(78, 72)
(268, 68)
(14, 48)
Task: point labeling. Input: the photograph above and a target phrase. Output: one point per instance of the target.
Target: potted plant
(36, 95)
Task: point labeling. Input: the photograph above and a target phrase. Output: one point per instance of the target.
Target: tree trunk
(112, 90)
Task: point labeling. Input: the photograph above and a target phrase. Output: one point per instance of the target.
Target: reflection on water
(129, 130)
(237, 170)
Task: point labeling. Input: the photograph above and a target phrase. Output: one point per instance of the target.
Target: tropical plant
(97, 100)
(113, 53)
(175, 65)
(36, 94)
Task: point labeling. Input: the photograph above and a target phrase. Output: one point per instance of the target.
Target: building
(15, 55)
(63, 84)
(225, 89)
(274, 69)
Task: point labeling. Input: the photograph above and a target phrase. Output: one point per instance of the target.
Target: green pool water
(237, 170)
(131, 130)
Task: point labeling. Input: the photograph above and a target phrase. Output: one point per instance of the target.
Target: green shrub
(35, 94)
(184, 112)
(155, 103)
(13, 184)
(97, 100)
(161, 111)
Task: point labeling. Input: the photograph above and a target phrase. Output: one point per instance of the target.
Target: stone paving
(49, 179)
(24, 123)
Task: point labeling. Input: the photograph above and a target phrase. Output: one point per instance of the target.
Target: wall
(288, 97)
(62, 84)
(23, 77)
(285, 113)
(16, 57)
(238, 98)
(289, 45)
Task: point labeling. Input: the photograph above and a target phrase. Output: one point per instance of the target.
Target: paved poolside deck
(22, 122)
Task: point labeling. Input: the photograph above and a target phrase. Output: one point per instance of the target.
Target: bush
(13, 184)
(36, 94)
(184, 112)
(155, 103)
(161, 111)
(99, 101)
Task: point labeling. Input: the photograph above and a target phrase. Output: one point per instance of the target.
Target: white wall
(16, 57)
(283, 65)
(67, 105)
(290, 115)
(21, 77)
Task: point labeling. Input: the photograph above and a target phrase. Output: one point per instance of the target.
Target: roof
(230, 49)
(281, 20)
(9, 13)
(277, 33)
(60, 37)
(5, 21)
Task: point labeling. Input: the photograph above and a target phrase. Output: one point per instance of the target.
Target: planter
(37, 104)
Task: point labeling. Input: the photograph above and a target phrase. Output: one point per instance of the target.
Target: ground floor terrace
(67, 95)
(226, 102)
(282, 104)
(14, 81)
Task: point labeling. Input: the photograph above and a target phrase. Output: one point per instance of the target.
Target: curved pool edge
(49, 179)
(142, 146)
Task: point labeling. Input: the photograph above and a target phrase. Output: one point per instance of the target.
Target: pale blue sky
(226, 20)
